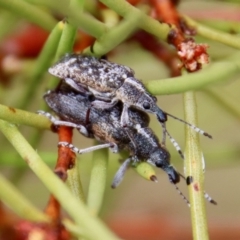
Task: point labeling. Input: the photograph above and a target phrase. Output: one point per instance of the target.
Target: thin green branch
(74, 182)
(87, 23)
(114, 37)
(66, 41)
(65, 46)
(92, 227)
(73, 228)
(77, 17)
(127, 11)
(41, 65)
(18, 203)
(216, 72)
(30, 12)
(11, 159)
(97, 181)
(213, 34)
(194, 169)
(222, 25)
(21, 117)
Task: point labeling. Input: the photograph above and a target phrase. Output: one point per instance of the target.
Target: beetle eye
(146, 105)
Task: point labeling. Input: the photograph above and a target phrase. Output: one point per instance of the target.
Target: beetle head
(149, 104)
(61, 68)
(161, 159)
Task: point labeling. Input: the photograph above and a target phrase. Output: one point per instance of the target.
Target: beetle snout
(173, 175)
(161, 116)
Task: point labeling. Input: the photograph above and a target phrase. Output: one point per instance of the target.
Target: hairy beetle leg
(104, 105)
(90, 149)
(75, 86)
(57, 122)
(121, 172)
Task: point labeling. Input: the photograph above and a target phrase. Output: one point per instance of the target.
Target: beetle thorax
(131, 90)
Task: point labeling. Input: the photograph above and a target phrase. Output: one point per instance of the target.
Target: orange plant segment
(164, 10)
(66, 158)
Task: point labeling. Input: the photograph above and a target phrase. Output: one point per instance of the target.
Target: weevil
(108, 82)
(104, 125)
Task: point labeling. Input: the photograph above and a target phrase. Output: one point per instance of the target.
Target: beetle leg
(86, 150)
(58, 122)
(104, 105)
(124, 117)
(75, 86)
(121, 172)
(107, 97)
(114, 148)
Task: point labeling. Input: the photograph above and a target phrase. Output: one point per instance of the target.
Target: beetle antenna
(173, 141)
(189, 180)
(209, 199)
(197, 129)
(181, 194)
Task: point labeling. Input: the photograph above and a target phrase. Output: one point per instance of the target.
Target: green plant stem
(222, 25)
(127, 11)
(30, 12)
(9, 195)
(74, 182)
(194, 168)
(77, 17)
(87, 23)
(97, 181)
(18, 116)
(216, 72)
(114, 37)
(41, 65)
(73, 228)
(11, 159)
(66, 41)
(229, 105)
(213, 34)
(91, 226)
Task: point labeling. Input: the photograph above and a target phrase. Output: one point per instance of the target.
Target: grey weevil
(105, 126)
(108, 82)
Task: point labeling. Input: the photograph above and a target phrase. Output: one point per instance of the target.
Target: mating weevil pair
(104, 125)
(110, 83)
(117, 95)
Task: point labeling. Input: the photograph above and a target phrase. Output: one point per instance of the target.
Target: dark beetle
(105, 126)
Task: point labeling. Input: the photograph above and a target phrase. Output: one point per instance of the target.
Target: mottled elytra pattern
(99, 74)
(108, 82)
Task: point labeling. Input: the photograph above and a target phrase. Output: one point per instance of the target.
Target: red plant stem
(151, 44)
(66, 158)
